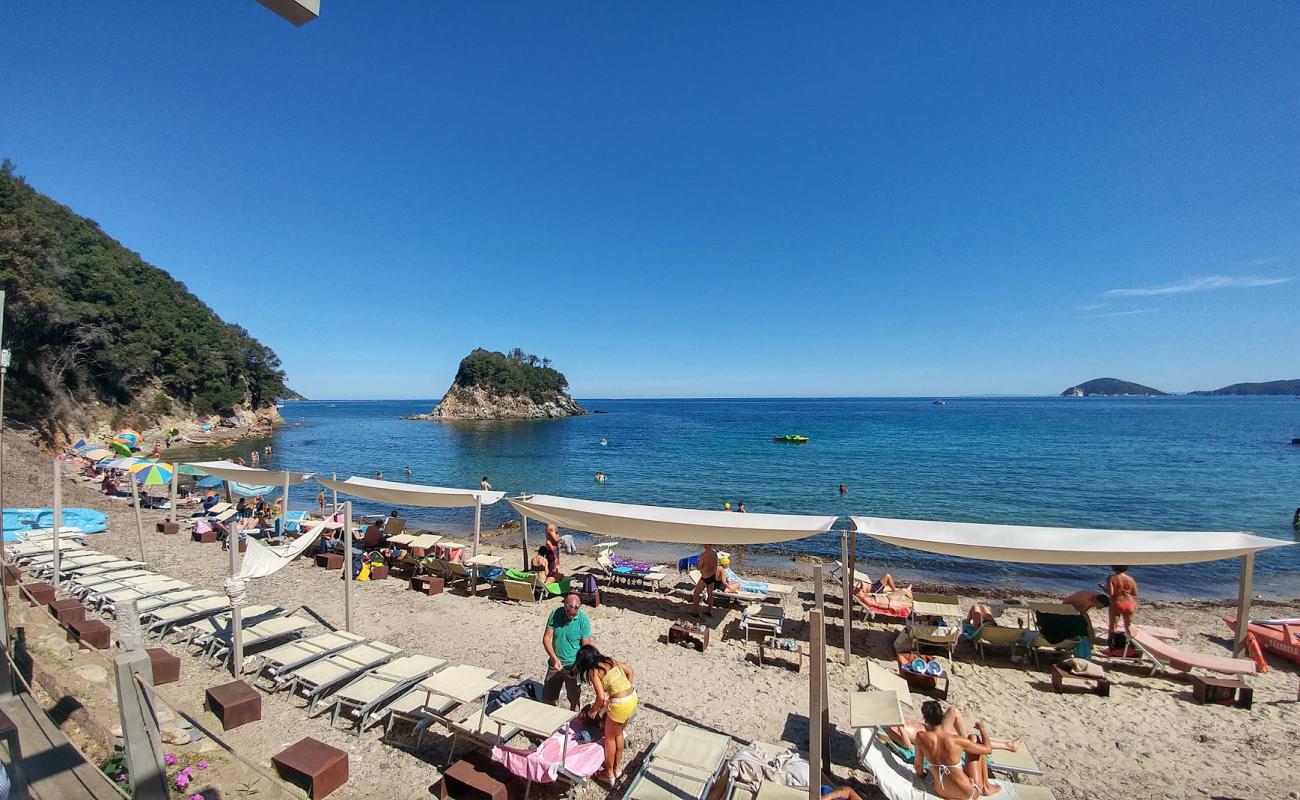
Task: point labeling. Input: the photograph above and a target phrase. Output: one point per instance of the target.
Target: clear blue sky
(694, 199)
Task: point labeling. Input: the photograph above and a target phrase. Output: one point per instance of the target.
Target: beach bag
(505, 696)
(1118, 641)
(364, 574)
(589, 585)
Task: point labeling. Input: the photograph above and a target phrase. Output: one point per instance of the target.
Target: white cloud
(1122, 313)
(1199, 285)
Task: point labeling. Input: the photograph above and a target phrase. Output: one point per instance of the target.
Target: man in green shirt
(567, 629)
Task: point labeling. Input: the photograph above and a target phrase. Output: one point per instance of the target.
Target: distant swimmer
(741, 508)
(484, 485)
(379, 476)
(267, 450)
(253, 456)
(726, 506)
(844, 489)
(603, 441)
(600, 477)
(408, 472)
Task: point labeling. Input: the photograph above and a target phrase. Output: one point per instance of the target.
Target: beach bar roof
(1026, 544)
(414, 494)
(253, 476)
(665, 524)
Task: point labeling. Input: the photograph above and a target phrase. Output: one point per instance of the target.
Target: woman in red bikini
(1123, 591)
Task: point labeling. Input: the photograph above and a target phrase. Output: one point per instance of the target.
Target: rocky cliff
(476, 402)
(492, 385)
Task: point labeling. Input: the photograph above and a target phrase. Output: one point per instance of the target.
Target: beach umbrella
(210, 482)
(129, 436)
(97, 454)
(120, 448)
(151, 473)
(119, 463)
(248, 490)
(190, 469)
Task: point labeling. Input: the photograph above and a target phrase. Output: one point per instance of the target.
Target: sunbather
(905, 735)
(883, 585)
(979, 616)
(613, 682)
(950, 763)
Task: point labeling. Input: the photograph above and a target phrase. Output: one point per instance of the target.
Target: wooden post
(816, 676)
(335, 492)
(1243, 602)
(143, 743)
(853, 570)
(347, 566)
(525, 542)
(846, 586)
(236, 613)
(478, 519)
(58, 523)
(284, 507)
(171, 510)
(139, 524)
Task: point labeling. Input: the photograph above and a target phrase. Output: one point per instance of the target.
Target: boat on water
(939, 402)
(1281, 637)
(792, 438)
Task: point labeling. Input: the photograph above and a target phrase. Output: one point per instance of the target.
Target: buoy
(1256, 653)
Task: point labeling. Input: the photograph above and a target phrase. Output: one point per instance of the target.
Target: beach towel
(543, 764)
(1057, 628)
(624, 564)
(752, 587)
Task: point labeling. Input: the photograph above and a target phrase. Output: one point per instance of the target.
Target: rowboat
(1281, 637)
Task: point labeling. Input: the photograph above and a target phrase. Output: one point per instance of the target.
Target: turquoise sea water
(1187, 463)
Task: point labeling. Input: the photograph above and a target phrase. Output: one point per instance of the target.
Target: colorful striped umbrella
(151, 473)
(118, 463)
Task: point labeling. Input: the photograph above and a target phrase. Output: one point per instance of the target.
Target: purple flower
(121, 778)
(196, 797)
(203, 765)
(169, 759)
(182, 780)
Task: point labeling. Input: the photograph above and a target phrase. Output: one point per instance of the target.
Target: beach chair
(521, 591)
(434, 697)
(1164, 655)
(736, 597)
(79, 571)
(768, 790)
(458, 573)
(23, 552)
(652, 579)
(765, 620)
(287, 657)
(895, 777)
(266, 633)
(109, 597)
(683, 765)
(130, 579)
(148, 602)
(161, 621)
(478, 729)
(201, 631)
(559, 757)
(318, 677)
(362, 701)
(999, 636)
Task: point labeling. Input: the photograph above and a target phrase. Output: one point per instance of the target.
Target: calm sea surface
(1185, 463)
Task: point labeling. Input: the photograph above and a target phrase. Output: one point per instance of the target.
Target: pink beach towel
(202, 527)
(543, 764)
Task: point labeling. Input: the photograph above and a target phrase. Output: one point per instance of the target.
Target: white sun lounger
(683, 765)
(292, 655)
(160, 621)
(68, 562)
(102, 597)
(25, 551)
(119, 580)
(80, 573)
(148, 600)
(265, 633)
(368, 694)
(200, 631)
(434, 697)
(47, 534)
(318, 677)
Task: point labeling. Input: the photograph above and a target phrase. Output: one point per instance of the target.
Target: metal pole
(853, 570)
(236, 614)
(846, 585)
(139, 523)
(284, 507)
(58, 523)
(525, 543)
(171, 511)
(6, 677)
(1243, 602)
(347, 566)
(478, 515)
(816, 669)
(335, 476)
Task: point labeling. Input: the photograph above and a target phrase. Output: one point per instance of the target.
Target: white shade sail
(230, 471)
(1080, 546)
(411, 494)
(664, 524)
(262, 560)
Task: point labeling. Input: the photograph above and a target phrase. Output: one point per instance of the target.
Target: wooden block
(1224, 691)
(313, 765)
(689, 634)
(166, 667)
(169, 527)
(463, 781)
(428, 584)
(329, 560)
(68, 611)
(378, 572)
(207, 537)
(235, 703)
(91, 633)
(38, 593)
(12, 575)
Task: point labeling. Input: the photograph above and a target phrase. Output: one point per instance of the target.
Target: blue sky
(679, 199)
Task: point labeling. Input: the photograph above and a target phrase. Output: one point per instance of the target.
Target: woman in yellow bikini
(615, 698)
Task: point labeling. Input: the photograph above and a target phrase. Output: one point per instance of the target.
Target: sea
(1167, 463)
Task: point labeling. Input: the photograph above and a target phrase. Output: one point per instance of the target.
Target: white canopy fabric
(664, 524)
(1080, 546)
(261, 560)
(230, 471)
(411, 494)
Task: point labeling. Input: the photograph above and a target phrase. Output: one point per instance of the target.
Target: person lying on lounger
(949, 762)
(952, 721)
(979, 616)
(884, 585)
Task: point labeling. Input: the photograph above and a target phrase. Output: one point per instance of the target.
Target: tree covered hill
(1111, 387)
(1264, 388)
(88, 320)
(518, 373)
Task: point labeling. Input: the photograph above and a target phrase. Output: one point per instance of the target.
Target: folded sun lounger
(363, 699)
(162, 620)
(683, 765)
(292, 655)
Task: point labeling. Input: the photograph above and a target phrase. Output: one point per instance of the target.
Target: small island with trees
(1111, 387)
(514, 385)
(1266, 388)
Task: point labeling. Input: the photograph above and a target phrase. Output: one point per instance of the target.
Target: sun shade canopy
(411, 494)
(1080, 546)
(663, 524)
(230, 471)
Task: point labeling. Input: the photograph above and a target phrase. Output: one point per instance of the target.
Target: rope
(237, 591)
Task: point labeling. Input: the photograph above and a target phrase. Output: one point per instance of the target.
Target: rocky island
(518, 385)
(1111, 387)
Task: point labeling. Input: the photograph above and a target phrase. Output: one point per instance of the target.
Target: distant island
(1267, 387)
(1111, 387)
(517, 385)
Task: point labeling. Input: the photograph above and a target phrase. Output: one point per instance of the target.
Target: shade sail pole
(816, 668)
(846, 590)
(525, 542)
(139, 524)
(478, 518)
(58, 523)
(236, 613)
(1243, 602)
(171, 510)
(284, 507)
(347, 566)
(335, 504)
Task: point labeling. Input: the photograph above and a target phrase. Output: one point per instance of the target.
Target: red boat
(1281, 637)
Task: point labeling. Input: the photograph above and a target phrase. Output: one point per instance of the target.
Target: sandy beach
(1148, 739)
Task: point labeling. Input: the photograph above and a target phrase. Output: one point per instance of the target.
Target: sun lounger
(148, 602)
(434, 697)
(478, 729)
(559, 757)
(266, 633)
(1163, 654)
(292, 655)
(201, 631)
(521, 591)
(737, 597)
(895, 778)
(365, 697)
(1102, 628)
(765, 620)
(110, 597)
(130, 579)
(652, 579)
(1000, 636)
(683, 765)
(161, 621)
(459, 573)
(25, 551)
(106, 568)
(318, 677)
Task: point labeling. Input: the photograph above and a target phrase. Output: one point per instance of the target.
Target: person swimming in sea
(600, 477)
(844, 489)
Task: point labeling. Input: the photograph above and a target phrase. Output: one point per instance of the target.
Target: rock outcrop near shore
(492, 385)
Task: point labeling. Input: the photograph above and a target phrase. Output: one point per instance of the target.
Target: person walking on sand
(614, 684)
(1123, 592)
(567, 630)
(708, 580)
(484, 485)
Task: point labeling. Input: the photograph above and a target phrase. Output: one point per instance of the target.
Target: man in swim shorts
(708, 580)
(1087, 599)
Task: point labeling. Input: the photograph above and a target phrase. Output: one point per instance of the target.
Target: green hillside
(1265, 388)
(88, 320)
(1111, 387)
